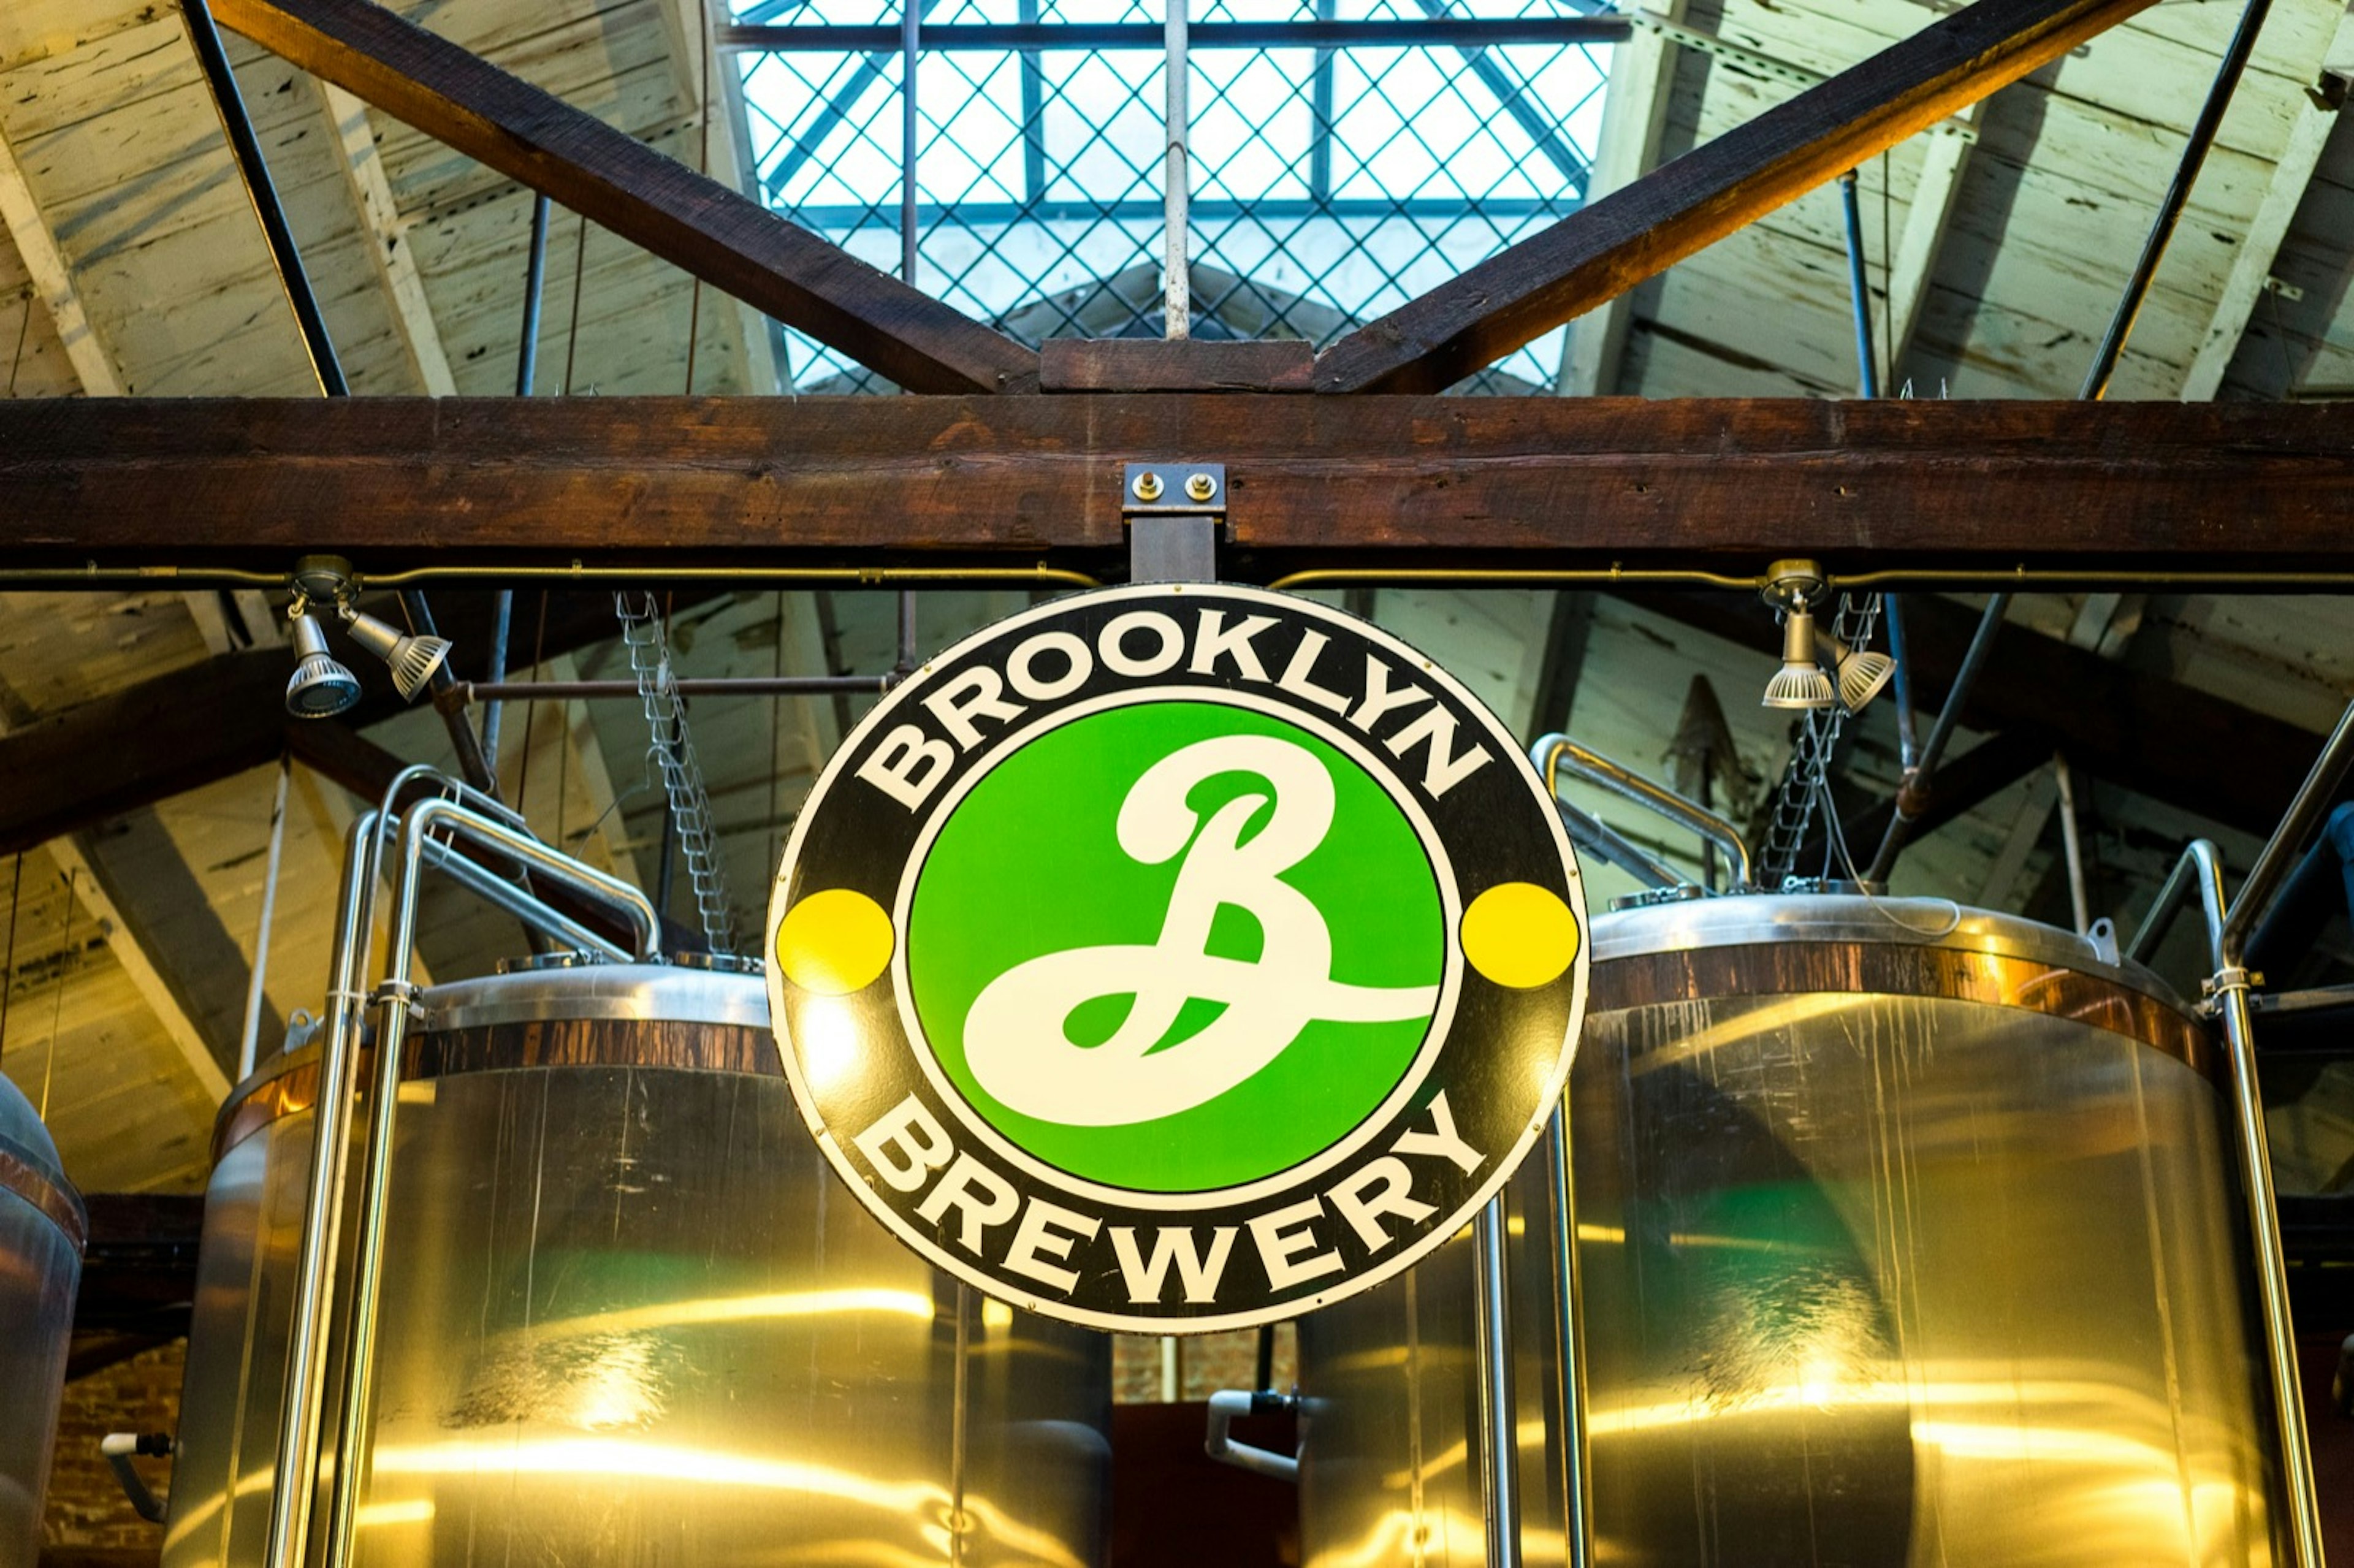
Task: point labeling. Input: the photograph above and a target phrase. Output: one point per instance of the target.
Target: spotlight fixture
(1861, 673)
(413, 659)
(321, 686)
(1800, 681)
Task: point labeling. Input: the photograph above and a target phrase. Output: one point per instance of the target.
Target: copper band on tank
(58, 1204)
(292, 1084)
(1786, 969)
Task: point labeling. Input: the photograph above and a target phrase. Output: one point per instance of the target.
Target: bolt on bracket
(1175, 512)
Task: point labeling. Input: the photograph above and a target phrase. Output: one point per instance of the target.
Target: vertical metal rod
(910, 42)
(1908, 740)
(1320, 112)
(534, 278)
(2312, 802)
(1034, 114)
(249, 1038)
(904, 661)
(1500, 1453)
(1172, 1369)
(1177, 290)
(960, 1433)
(2178, 193)
(205, 39)
(2071, 844)
(495, 667)
(331, 1131)
(1859, 290)
(1912, 797)
(1576, 1485)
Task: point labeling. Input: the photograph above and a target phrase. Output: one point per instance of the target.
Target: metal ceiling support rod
(205, 39)
(910, 26)
(535, 287)
(1555, 753)
(2312, 802)
(2071, 844)
(1859, 290)
(1176, 286)
(1323, 33)
(468, 745)
(453, 818)
(1911, 796)
(2177, 192)
(1908, 739)
(2201, 870)
(487, 691)
(1499, 1441)
(250, 1037)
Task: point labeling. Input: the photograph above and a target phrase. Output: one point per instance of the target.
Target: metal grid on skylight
(1329, 185)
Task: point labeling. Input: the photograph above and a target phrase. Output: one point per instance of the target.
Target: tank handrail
(1553, 752)
(1227, 1404)
(488, 887)
(1590, 832)
(459, 821)
(2200, 869)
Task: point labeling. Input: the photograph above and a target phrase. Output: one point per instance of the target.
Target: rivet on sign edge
(1146, 486)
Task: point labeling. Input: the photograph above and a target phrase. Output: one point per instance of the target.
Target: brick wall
(86, 1505)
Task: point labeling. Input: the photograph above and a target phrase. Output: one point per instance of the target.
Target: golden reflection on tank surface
(1867, 1279)
(632, 1322)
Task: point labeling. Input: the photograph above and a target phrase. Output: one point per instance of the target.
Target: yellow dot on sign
(834, 942)
(1520, 935)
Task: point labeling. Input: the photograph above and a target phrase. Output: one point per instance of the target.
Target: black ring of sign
(1501, 1069)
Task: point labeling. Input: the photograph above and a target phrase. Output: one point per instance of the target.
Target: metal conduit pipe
(1859, 290)
(1912, 796)
(1569, 1344)
(2170, 207)
(1499, 1441)
(2310, 804)
(1553, 753)
(262, 191)
(2200, 871)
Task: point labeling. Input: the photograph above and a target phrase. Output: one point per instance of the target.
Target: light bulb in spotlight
(1800, 681)
(413, 658)
(321, 687)
(1862, 675)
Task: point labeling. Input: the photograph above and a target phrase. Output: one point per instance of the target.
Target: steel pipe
(1176, 190)
(1598, 838)
(1500, 1452)
(1553, 752)
(464, 692)
(1859, 290)
(2312, 802)
(1912, 796)
(1568, 1315)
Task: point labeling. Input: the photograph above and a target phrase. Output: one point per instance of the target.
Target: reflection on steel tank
(630, 1316)
(42, 1229)
(1908, 1234)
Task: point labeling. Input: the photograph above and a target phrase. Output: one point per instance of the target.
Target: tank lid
(1754, 919)
(30, 1169)
(645, 992)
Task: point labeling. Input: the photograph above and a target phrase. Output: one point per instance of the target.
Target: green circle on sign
(1031, 866)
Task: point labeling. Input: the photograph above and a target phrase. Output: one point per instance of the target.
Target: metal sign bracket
(1176, 516)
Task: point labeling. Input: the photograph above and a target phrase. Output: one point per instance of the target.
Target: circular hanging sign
(1177, 958)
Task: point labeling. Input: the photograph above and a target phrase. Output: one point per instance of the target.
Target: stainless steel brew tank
(629, 1316)
(1908, 1234)
(42, 1229)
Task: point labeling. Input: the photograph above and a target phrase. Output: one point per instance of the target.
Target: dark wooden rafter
(180, 731)
(1603, 251)
(1388, 483)
(2140, 730)
(719, 235)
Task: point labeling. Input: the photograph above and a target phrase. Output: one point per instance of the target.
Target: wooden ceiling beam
(210, 720)
(697, 224)
(1603, 249)
(1388, 483)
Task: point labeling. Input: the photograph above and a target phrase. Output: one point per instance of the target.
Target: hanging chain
(673, 748)
(1807, 774)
